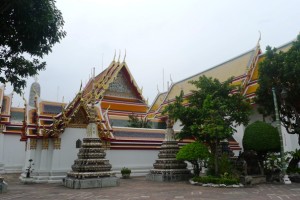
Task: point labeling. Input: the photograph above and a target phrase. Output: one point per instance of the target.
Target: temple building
(51, 133)
(244, 70)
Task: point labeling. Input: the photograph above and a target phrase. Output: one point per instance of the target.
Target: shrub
(216, 180)
(192, 153)
(261, 137)
(225, 165)
(125, 170)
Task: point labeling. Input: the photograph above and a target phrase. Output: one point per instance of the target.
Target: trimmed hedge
(261, 137)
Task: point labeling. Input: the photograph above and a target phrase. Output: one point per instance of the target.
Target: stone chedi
(91, 169)
(167, 167)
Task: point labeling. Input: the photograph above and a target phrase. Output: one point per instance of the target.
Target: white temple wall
(1, 152)
(64, 157)
(12, 153)
(139, 161)
(290, 141)
(51, 165)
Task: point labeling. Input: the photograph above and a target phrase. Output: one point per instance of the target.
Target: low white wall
(64, 157)
(52, 164)
(12, 153)
(139, 161)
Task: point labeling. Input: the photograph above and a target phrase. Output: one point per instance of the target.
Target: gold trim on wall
(45, 143)
(56, 143)
(33, 143)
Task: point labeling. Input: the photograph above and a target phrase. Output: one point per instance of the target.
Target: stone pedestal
(166, 167)
(91, 182)
(25, 180)
(3, 185)
(91, 169)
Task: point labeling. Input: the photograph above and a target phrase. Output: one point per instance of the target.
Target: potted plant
(125, 172)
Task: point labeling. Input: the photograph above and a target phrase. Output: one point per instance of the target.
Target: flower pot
(125, 176)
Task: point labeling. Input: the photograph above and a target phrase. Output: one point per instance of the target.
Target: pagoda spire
(35, 90)
(92, 129)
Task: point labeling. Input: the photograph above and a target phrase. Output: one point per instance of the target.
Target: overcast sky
(181, 37)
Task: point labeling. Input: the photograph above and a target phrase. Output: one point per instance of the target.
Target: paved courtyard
(139, 188)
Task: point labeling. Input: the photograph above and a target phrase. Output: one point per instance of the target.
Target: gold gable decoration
(121, 86)
(79, 120)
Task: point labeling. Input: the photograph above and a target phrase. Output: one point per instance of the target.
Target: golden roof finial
(114, 57)
(259, 38)
(124, 56)
(119, 55)
(105, 113)
(80, 86)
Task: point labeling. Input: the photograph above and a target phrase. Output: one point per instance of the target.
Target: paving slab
(139, 188)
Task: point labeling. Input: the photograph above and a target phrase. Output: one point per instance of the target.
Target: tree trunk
(261, 164)
(216, 158)
(196, 168)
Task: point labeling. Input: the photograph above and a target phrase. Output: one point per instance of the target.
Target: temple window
(52, 109)
(78, 144)
(17, 116)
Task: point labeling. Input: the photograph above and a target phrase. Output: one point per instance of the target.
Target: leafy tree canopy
(212, 114)
(280, 70)
(29, 29)
(213, 110)
(193, 152)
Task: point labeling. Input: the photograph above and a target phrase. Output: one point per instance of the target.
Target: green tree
(262, 138)
(212, 114)
(29, 29)
(193, 153)
(136, 122)
(280, 70)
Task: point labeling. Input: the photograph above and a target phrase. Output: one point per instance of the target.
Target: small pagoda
(167, 168)
(91, 169)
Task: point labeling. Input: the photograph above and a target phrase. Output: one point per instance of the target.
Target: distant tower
(34, 89)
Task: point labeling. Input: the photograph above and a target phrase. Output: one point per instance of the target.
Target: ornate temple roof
(252, 85)
(243, 68)
(237, 67)
(103, 80)
(159, 99)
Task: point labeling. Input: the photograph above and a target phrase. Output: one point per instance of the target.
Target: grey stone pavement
(138, 188)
